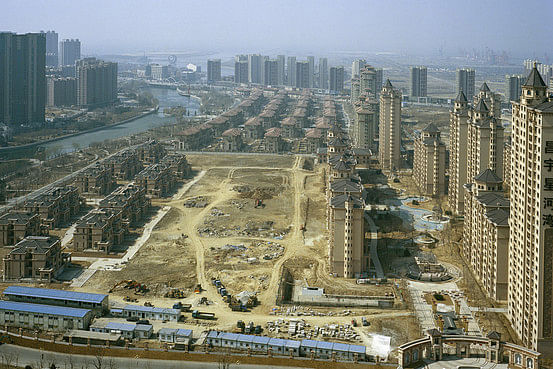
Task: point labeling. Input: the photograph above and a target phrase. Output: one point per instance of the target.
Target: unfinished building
(232, 140)
(130, 200)
(150, 152)
(99, 230)
(157, 180)
(55, 207)
(124, 165)
(35, 257)
(177, 164)
(273, 140)
(95, 180)
(15, 226)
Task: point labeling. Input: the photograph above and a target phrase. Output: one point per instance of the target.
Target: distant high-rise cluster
(22, 78)
(70, 52)
(213, 70)
(514, 86)
(51, 49)
(283, 71)
(336, 79)
(465, 82)
(96, 82)
(418, 82)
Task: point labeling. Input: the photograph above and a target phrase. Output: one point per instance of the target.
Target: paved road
(43, 359)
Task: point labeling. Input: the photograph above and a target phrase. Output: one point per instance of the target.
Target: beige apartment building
(15, 226)
(35, 257)
(486, 233)
(365, 124)
(389, 153)
(347, 236)
(429, 162)
(530, 300)
(458, 131)
(484, 141)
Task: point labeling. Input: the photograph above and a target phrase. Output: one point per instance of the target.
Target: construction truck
(203, 315)
(198, 288)
(238, 307)
(182, 307)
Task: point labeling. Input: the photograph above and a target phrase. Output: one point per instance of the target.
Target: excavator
(124, 281)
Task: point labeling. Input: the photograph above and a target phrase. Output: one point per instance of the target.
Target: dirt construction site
(243, 220)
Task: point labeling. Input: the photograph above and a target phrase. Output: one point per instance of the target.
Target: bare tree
(224, 361)
(9, 360)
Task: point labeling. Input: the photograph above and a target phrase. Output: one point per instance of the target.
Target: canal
(167, 98)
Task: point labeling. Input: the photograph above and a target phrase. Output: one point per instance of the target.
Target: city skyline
(148, 28)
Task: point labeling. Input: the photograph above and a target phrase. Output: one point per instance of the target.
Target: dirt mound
(261, 193)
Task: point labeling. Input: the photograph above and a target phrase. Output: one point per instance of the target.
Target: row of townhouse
(54, 207)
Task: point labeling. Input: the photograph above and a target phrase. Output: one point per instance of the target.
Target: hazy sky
(522, 27)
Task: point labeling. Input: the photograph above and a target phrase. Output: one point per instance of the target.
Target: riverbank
(13, 149)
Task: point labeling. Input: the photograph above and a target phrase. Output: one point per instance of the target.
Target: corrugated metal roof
(212, 334)
(228, 336)
(277, 342)
(357, 349)
(340, 347)
(170, 331)
(120, 326)
(309, 343)
(184, 332)
(245, 338)
(54, 294)
(324, 345)
(143, 327)
(43, 309)
(293, 344)
(261, 340)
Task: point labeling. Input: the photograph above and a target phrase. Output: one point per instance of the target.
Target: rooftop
(54, 294)
(43, 309)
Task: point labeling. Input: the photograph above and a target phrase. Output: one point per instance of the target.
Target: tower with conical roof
(492, 100)
(458, 130)
(530, 296)
(389, 153)
(484, 137)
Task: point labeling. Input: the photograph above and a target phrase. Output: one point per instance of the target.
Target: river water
(167, 98)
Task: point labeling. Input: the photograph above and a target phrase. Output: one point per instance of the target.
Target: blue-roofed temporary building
(174, 335)
(341, 350)
(228, 340)
(93, 301)
(357, 351)
(324, 349)
(292, 347)
(260, 343)
(244, 341)
(307, 346)
(276, 345)
(127, 330)
(143, 330)
(47, 317)
(212, 339)
(155, 313)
